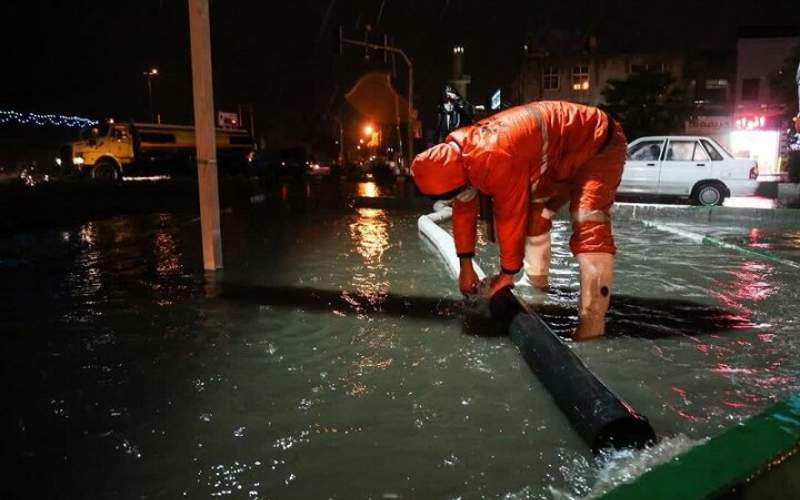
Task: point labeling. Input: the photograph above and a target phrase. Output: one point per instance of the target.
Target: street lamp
(368, 130)
(410, 131)
(150, 74)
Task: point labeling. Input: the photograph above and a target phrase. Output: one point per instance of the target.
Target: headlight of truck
(78, 160)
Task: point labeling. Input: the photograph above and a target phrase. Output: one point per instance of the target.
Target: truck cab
(103, 151)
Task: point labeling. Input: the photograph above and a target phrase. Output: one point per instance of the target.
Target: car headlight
(77, 160)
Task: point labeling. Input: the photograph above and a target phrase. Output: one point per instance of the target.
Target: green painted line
(716, 242)
(710, 240)
(728, 460)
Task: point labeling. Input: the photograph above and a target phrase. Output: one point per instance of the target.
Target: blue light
(25, 118)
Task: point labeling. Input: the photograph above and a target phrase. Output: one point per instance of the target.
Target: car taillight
(754, 172)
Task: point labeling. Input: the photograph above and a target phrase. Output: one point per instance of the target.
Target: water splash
(616, 468)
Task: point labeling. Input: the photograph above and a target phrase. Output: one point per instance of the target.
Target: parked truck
(113, 150)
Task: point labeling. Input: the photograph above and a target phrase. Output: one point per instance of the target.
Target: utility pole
(395, 50)
(205, 135)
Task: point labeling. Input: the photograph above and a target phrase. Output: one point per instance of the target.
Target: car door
(685, 162)
(120, 146)
(641, 171)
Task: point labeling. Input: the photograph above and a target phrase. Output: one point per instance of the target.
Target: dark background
(87, 58)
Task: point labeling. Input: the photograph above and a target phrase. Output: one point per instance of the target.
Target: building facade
(759, 114)
(731, 89)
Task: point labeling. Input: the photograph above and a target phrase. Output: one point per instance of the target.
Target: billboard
(226, 119)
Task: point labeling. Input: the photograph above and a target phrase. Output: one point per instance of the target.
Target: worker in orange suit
(531, 160)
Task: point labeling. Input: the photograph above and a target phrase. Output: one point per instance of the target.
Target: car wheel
(105, 170)
(708, 194)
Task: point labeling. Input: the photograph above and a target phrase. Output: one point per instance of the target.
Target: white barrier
(441, 239)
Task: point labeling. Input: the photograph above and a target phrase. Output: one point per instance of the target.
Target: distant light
(369, 129)
(58, 161)
(368, 189)
(750, 202)
(22, 118)
(458, 49)
(760, 145)
(152, 178)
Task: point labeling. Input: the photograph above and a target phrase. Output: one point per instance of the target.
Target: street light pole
(410, 135)
(149, 74)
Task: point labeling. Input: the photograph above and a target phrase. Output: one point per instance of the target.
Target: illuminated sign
(751, 122)
(227, 120)
(496, 100)
(709, 125)
(758, 122)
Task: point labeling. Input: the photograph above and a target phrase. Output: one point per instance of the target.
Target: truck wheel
(708, 194)
(105, 170)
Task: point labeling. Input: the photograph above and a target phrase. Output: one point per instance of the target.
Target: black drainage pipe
(603, 419)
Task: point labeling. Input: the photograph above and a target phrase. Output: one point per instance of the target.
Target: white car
(694, 167)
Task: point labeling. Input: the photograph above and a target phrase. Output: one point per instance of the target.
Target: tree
(648, 103)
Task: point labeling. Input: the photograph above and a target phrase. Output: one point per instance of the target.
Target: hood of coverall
(439, 170)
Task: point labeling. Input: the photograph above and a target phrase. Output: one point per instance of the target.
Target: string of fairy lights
(24, 118)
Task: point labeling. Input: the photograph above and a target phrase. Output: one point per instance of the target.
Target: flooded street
(332, 358)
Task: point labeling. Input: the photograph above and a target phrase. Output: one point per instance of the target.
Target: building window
(657, 67)
(550, 78)
(718, 83)
(750, 88)
(580, 77)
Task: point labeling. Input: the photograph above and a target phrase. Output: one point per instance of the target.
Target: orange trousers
(590, 191)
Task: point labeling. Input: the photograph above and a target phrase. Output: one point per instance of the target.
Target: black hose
(603, 419)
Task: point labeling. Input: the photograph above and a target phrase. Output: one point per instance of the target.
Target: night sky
(87, 57)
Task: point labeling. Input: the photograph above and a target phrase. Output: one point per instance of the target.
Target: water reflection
(168, 258)
(750, 282)
(368, 189)
(370, 234)
(88, 233)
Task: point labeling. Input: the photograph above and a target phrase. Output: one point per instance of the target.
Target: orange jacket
(504, 156)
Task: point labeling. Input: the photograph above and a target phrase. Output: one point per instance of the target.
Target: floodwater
(332, 358)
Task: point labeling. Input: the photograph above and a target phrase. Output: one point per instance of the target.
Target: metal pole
(797, 79)
(410, 144)
(150, 97)
(202, 84)
(252, 123)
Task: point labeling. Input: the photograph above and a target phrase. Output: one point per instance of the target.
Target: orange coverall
(531, 159)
